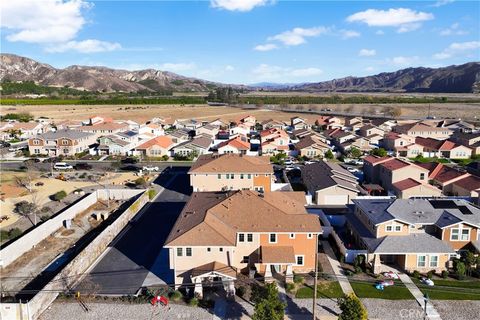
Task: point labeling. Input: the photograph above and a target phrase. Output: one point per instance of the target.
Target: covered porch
(214, 274)
(277, 262)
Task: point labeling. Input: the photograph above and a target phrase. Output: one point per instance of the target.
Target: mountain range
(452, 79)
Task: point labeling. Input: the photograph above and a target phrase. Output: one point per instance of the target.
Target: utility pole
(315, 279)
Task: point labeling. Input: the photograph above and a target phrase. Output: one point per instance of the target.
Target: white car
(428, 282)
(62, 166)
(352, 170)
(150, 168)
(288, 162)
(15, 149)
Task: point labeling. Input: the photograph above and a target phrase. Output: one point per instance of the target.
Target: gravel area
(117, 311)
(393, 309)
(458, 309)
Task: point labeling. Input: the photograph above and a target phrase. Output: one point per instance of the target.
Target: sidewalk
(418, 295)
(337, 269)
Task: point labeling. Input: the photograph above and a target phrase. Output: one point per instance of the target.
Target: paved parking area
(136, 257)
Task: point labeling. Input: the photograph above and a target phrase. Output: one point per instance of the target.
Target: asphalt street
(136, 257)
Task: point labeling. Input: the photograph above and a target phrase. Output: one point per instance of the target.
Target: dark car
(82, 166)
(129, 161)
(32, 160)
(52, 160)
(4, 144)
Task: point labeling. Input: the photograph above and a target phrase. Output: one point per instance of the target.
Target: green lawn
(451, 289)
(325, 289)
(368, 290)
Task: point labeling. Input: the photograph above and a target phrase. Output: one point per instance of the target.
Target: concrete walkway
(337, 269)
(418, 295)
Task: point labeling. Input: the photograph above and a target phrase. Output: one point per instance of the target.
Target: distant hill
(464, 78)
(453, 79)
(17, 68)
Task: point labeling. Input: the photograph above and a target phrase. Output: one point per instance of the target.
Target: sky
(245, 41)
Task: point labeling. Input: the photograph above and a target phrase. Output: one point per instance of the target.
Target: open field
(204, 112)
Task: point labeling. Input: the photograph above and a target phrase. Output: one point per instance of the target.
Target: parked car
(62, 166)
(52, 160)
(391, 275)
(129, 168)
(15, 149)
(150, 168)
(288, 162)
(129, 160)
(428, 282)
(83, 166)
(352, 169)
(32, 160)
(4, 144)
(358, 162)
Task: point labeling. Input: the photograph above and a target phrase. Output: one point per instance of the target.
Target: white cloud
(441, 3)
(271, 72)
(177, 67)
(347, 34)
(369, 69)
(85, 46)
(46, 21)
(229, 68)
(239, 5)
(367, 52)
(454, 29)
(402, 18)
(297, 36)
(266, 47)
(458, 48)
(403, 61)
(380, 32)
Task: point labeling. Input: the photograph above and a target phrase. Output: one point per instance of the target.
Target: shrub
(58, 196)
(416, 274)
(430, 274)
(44, 218)
(176, 295)
(193, 302)
(460, 270)
(329, 154)
(45, 210)
(14, 233)
(140, 181)
(24, 207)
(444, 274)
(152, 193)
(240, 291)
(298, 279)
(164, 158)
(290, 287)
(352, 308)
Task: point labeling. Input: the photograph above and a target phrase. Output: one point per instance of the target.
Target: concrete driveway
(136, 257)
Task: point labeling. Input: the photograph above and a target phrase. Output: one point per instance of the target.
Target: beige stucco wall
(457, 245)
(321, 195)
(459, 191)
(381, 231)
(401, 174)
(210, 182)
(411, 263)
(419, 191)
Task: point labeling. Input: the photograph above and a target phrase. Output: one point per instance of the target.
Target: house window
(272, 238)
(465, 235)
(65, 151)
(179, 252)
(292, 236)
(220, 249)
(422, 176)
(232, 176)
(219, 176)
(388, 228)
(209, 249)
(37, 150)
(299, 260)
(241, 237)
(36, 142)
(188, 252)
(246, 259)
(249, 237)
(421, 261)
(433, 261)
(65, 142)
(249, 176)
(309, 236)
(398, 228)
(460, 235)
(241, 176)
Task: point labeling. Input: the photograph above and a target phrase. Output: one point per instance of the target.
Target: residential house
(470, 140)
(298, 123)
(61, 142)
(457, 125)
(104, 128)
(420, 129)
(190, 124)
(237, 145)
(402, 144)
(199, 145)
(241, 129)
(311, 147)
(180, 135)
(328, 122)
(22, 130)
(467, 187)
(414, 234)
(208, 129)
(400, 177)
(274, 141)
(67, 124)
(247, 122)
(443, 148)
(113, 145)
(273, 124)
(361, 143)
(221, 234)
(442, 175)
(372, 133)
(231, 172)
(329, 184)
(385, 124)
(354, 123)
(155, 129)
(94, 120)
(156, 147)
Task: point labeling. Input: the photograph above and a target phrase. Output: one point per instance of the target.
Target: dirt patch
(67, 232)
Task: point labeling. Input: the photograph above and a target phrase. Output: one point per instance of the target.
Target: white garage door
(336, 199)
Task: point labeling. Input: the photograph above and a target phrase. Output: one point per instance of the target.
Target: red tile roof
(237, 142)
(162, 141)
(406, 184)
(374, 159)
(469, 183)
(395, 164)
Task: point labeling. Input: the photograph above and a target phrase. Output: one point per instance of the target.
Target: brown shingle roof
(231, 163)
(277, 254)
(469, 183)
(214, 267)
(214, 218)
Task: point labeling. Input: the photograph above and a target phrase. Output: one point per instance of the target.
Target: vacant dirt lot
(141, 113)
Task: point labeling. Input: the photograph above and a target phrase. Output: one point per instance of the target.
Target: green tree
(25, 208)
(460, 270)
(380, 152)
(352, 308)
(329, 154)
(268, 305)
(470, 260)
(355, 153)
(58, 196)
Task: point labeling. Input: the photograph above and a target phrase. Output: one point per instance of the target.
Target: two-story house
(220, 234)
(274, 141)
(415, 234)
(443, 148)
(231, 172)
(424, 130)
(61, 142)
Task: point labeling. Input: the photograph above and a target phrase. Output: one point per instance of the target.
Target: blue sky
(245, 41)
